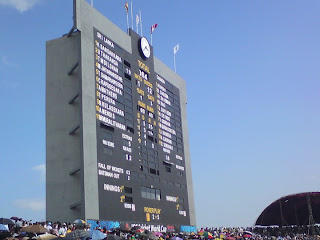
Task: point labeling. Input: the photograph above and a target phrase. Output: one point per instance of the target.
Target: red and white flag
(126, 6)
(153, 27)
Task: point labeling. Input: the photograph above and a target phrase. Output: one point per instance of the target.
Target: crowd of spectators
(60, 230)
(267, 233)
(57, 229)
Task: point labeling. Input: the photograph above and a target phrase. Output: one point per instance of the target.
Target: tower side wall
(63, 151)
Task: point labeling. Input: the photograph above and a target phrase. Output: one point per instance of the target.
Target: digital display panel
(140, 150)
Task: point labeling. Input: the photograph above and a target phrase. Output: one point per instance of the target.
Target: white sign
(180, 167)
(111, 188)
(151, 228)
(171, 199)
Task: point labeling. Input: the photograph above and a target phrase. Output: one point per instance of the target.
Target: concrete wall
(63, 151)
(85, 19)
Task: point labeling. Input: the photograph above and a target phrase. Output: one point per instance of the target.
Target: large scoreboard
(139, 136)
(117, 148)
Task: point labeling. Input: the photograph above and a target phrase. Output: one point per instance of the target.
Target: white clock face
(145, 47)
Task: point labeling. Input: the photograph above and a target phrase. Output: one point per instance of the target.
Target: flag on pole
(176, 49)
(126, 6)
(153, 27)
(137, 22)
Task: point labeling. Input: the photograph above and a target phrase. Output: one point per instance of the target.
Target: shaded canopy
(292, 210)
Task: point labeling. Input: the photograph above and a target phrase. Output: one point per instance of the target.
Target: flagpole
(151, 38)
(140, 23)
(131, 16)
(128, 22)
(175, 50)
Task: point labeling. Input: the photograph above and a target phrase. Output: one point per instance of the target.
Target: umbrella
(230, 238)
(222, 236)
(22, 235)
(96, 235)
(16, 218)
(6, 221)
(206, 234)
(80, 222)
(3, 228)
(141, 234)
(158, 234)
(77, 234)
(114, 237)
(209, 235)
(62, 238)
(135, 228)
(247, 236)
(46, 236)
(151, 236)
(34, 229)
(176, 238)
(21, 238)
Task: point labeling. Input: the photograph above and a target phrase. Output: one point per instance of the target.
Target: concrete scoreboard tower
(117, 145)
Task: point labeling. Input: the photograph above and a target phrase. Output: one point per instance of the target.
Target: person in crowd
(63, 230)
(48, 226)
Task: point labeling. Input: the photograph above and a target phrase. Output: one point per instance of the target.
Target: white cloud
(20, 5)
(32, 204)
(42, 169)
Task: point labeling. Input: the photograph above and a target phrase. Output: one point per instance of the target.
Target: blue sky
(253, 81)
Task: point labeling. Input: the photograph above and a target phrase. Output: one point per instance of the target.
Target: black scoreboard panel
(141, 168)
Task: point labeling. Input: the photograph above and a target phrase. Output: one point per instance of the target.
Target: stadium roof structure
(292, 210)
